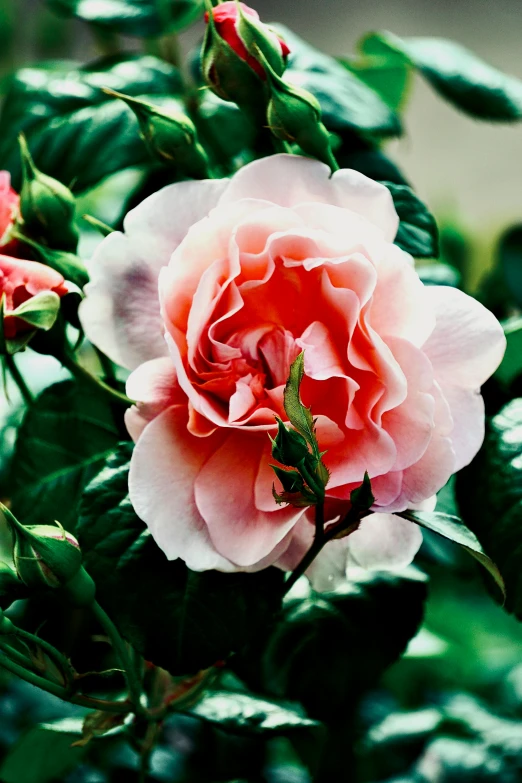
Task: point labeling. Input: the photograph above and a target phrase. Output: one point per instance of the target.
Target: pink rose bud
(30, 293)
(227, 19)
(9, 201)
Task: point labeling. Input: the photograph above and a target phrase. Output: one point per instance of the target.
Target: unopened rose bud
(289, 447)
(170, 136)
(231, 65)
(47, 207)
(39, 289)
(294, 115)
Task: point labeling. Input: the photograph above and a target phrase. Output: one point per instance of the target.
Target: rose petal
(383, 542)
(289, 179)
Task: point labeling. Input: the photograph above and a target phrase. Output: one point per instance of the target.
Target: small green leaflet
(454, 529)
(300, 416)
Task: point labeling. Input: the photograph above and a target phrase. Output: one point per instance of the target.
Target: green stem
(17, 377)
(20, 670)
(310, 479)
(82, 374)
(320, 540)
(55, 655)
(125, 658)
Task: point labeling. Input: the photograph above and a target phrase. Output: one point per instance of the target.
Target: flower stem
(55, 655)
(17, 377)
(121, 650)
(77, 371)
(16, 663)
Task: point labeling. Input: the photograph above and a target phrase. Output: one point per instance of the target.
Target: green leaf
(142, 18)
(44, 754)
(510, 257)
(439, 274)
(76, 132)
(347, 103)
(511, 364)
(370, 162)
(180, 620)
(489, 494)
(330, 647)
(417, 232)
(245, 713)
(454, 529)
(61, 445)
(470, 84)
(384, 70)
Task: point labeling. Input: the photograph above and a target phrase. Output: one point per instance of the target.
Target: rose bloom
(212, 291)
(226, 18)
(9, 201)
(20, 280)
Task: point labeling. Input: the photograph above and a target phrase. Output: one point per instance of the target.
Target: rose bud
(288, 446)
(29, 300)
(169, 136)
(294, 115)
(49, 557)
(47, 207)
(231, 64)
(9, 201)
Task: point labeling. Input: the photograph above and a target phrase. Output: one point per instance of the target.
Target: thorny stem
(347, 525)
(121, 650)
(81, 373)
(16, 667)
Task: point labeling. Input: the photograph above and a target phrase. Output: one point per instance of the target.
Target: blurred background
(468, 172)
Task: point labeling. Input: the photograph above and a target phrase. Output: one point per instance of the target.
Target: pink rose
(226, 17)
(209, 295)
(20, 280)
(9, 201)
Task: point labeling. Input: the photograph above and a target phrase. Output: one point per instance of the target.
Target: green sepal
(362, 498)
(258, 37)
(291, 480)
(169, 136)
(67, 264)
(40, 311)
(47, 207)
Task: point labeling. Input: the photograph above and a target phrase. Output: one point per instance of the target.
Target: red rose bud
(239, 26)
(230, 61)
(29, 300)
(9, 202)
(47, 207)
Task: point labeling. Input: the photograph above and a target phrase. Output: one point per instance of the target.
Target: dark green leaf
(511, 364)
(489, 493)
(178, 619)
(417, 232)
(44, 754)
(329, 647)
(143, 18)
(455, 530)
(510, 257)
(61, 445)
(384, 70)
(370, 162)
(75, 131)
(460, 76)
(245, 713)
(347, 103)
(439, 274)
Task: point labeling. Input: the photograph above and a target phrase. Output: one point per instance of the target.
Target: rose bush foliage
(208, 296)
